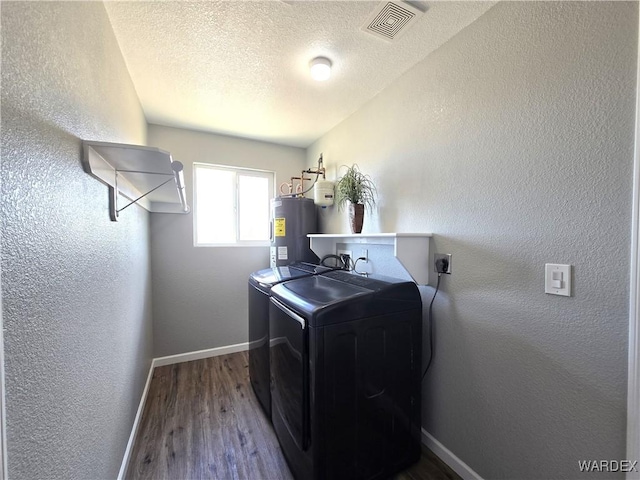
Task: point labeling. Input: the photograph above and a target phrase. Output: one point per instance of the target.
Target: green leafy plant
(355, 187)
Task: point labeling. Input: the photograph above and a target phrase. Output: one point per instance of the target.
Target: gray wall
(200, 293)
(75, 286)
(513, 144)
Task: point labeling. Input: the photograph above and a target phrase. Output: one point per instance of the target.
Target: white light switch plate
(557, 279)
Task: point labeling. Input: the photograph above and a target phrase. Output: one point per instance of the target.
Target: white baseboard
(136, 422)
(200, 354)
(170, 360)
(448, 457)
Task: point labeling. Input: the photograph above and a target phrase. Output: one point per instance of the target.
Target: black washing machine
(345, 356)
(260, 284)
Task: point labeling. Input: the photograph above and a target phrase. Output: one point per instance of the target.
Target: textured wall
(513, 144)
(200, 293)
(75, 286)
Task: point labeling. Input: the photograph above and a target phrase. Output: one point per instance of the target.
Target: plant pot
(356, 215)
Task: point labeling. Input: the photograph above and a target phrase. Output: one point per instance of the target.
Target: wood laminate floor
(201, 420)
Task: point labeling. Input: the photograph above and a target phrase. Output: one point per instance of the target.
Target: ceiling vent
(391, 19)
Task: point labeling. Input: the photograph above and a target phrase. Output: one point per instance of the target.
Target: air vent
(391, 19)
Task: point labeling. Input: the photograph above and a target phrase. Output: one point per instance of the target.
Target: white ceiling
(241, 67)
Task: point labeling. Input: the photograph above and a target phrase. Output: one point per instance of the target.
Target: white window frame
(245, 171)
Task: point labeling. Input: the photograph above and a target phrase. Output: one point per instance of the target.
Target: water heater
(292, 219)
(323, 193)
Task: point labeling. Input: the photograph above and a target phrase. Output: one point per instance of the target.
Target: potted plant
(357, 189)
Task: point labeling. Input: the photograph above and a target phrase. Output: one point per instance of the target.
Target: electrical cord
(339, 262)
(356, 263)
(431, 327)
(343, 261)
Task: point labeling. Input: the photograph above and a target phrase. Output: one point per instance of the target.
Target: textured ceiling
(241, 68)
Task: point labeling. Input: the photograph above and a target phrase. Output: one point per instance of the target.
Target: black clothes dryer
(345, 375)
(260, 284)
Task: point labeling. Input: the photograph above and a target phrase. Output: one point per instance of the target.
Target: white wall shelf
(411, 249)
(147, 176)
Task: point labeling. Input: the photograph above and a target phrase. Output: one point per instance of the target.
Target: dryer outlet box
(342, 252)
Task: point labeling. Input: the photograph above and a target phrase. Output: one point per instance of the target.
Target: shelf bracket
(113, 203)
(129, 171)
(177, 167)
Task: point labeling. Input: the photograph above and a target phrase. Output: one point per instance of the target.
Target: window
(231, 205)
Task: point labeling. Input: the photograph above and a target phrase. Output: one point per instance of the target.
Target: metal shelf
(147, 176)
(411, 249)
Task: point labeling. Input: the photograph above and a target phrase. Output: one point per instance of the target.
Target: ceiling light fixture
(320, 69)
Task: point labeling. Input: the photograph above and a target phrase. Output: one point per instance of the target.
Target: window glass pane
(253, 203)
(215, 206)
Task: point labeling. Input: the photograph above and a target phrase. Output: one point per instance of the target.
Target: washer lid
(265, 279)
(327, 299)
